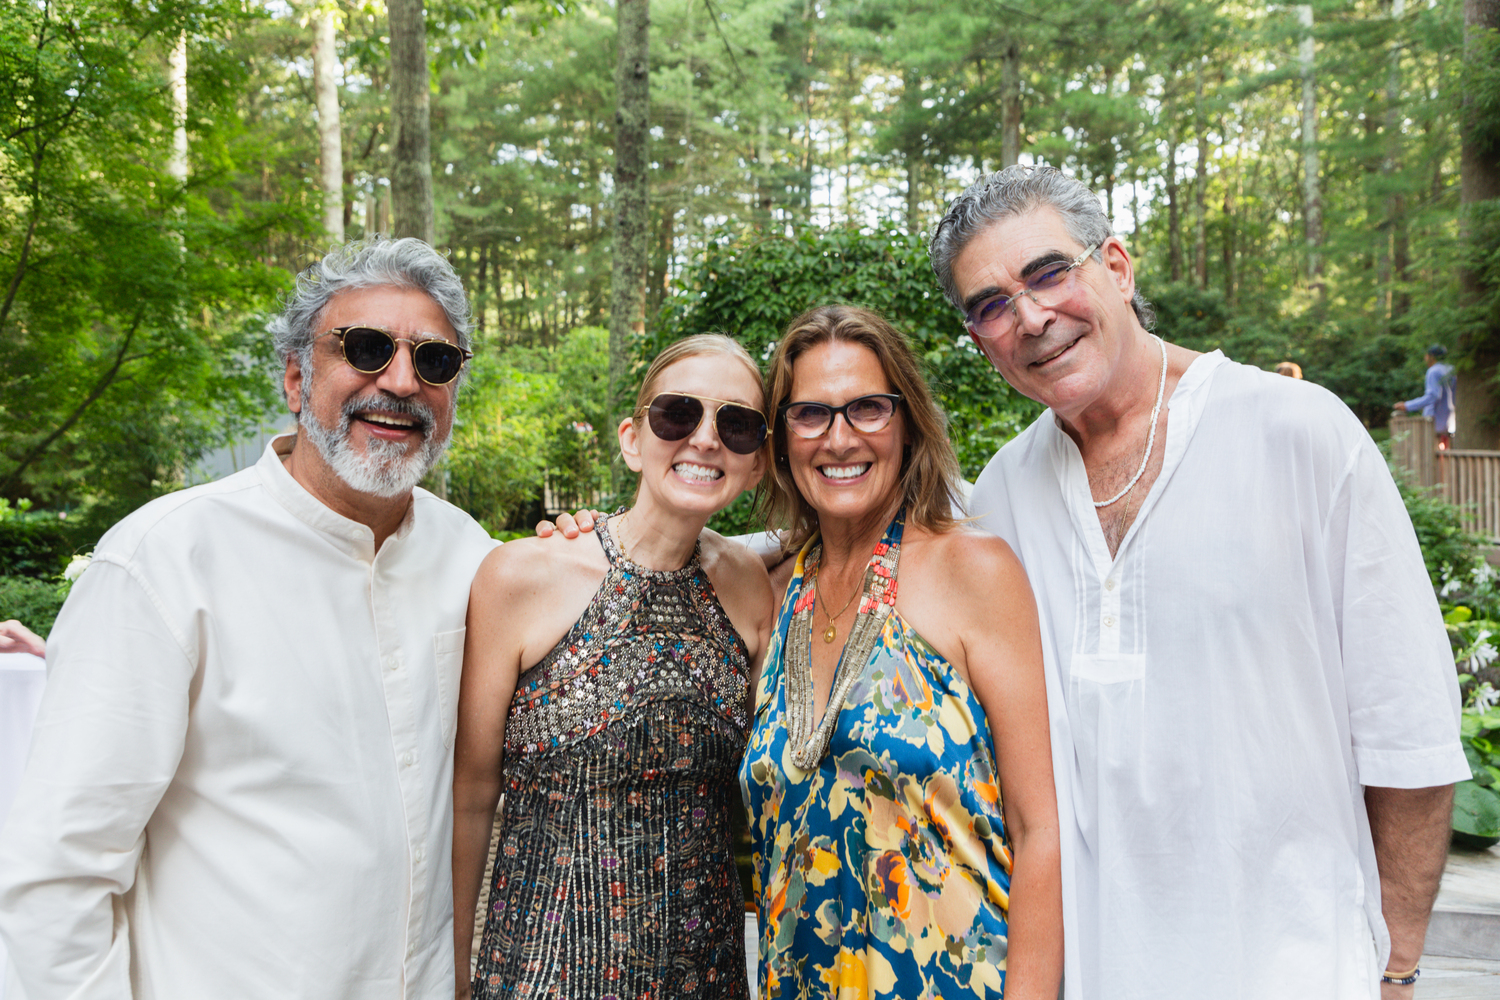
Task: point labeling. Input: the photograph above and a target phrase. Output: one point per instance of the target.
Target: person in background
(1290, 369)
(606, 694)
(1437, 400)
(1254, 704)
(241, 776)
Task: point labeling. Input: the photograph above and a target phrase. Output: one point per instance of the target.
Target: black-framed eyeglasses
(996, 316)
(370, 350)
(672, 416)
(866, 414)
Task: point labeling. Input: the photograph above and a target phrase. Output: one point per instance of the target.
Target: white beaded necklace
(1161, 388)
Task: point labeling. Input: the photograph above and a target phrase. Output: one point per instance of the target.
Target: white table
(22, 677)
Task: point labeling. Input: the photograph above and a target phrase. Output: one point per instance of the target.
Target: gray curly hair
(1014, 191)
(405, 263)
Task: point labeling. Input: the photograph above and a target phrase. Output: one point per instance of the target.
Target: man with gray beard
(240, 781)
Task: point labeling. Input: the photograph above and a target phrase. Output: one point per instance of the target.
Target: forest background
(1310, 182)
(1315, 183)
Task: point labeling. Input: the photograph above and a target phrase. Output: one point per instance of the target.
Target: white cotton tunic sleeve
(1398, 668)
(111, 728)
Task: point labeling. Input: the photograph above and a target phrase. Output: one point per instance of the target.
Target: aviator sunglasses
(370, 350)
(674, 415)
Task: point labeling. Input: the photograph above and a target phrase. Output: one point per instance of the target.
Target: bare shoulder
(721, 555)
(963, 582)
(964, 552)
(529, 565)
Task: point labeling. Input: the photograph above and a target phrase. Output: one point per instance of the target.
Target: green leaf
(1458, 615)
(1476, 810)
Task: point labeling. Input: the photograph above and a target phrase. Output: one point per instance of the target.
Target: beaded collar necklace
(877, 601)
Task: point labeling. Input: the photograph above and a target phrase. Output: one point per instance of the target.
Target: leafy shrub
(34, 545)
(32, 602)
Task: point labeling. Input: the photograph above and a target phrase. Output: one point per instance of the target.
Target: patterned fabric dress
(885, 871)
(615, 875)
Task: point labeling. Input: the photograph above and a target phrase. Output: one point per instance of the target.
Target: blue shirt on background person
(1438, 387)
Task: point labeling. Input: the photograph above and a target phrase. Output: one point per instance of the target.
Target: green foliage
(32, 545)
(1450, 553)
(1476, 803)
(32, 602)
(125, 353)
(527, 414)
(752, 288)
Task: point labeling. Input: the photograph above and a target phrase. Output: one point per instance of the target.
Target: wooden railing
(1468, 478)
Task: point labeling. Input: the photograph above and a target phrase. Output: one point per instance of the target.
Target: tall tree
(411, 127)
(632, 232)
(1478, 400)
(1312, 192)
(330, 138)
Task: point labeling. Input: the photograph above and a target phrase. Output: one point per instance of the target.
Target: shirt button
(1109, 621)
(419, 854)
(408, 758)
(1109, 584)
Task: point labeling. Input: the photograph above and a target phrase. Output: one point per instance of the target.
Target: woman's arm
(739, 578)
(1003, 651)
(975, 582)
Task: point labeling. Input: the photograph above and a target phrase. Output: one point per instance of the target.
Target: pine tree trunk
(1200, 186)
(411, 158)
(1312, 196)
(330, 139)
(1010, 114)
(1174, 211)
(1479, 166)
(632, 235)
(177, 165)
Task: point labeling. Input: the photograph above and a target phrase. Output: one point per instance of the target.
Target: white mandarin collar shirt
(240, 779)
(1264, 643)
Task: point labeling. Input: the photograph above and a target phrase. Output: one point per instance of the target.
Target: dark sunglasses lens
(740, 428)
(673, 418)
(368, 350)
(870, 413)
(438, 363)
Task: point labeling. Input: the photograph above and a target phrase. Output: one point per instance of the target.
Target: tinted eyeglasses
(866, 414)
(996, 316)
(370, 350)
(674, 415)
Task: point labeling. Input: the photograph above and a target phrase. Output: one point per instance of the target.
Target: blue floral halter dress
(883, 869)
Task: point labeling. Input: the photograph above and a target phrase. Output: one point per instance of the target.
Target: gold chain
(832, 631)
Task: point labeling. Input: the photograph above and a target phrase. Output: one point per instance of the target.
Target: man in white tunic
(239, 784)
(1254, 705)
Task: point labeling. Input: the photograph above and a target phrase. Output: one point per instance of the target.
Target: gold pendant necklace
(832, 631)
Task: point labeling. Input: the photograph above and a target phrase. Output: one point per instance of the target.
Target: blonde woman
(605, 692)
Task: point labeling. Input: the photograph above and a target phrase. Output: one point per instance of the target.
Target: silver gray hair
(1015, 191)
(405, 263)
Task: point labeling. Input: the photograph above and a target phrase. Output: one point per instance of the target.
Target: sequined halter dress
(615, 875)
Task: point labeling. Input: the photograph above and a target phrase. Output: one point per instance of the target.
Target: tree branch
(13, 480)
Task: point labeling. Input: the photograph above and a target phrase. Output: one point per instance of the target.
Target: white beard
(386, 469)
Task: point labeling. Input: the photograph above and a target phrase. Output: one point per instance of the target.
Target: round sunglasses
(672, 416)
(370, 350)
(866, 414)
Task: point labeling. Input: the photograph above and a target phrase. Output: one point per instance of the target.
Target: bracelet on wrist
(1401, 978)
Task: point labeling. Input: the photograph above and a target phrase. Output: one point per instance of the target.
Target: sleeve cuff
(1425, 768)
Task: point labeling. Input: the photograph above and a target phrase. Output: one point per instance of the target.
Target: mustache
(380, 403)
(1051, 349)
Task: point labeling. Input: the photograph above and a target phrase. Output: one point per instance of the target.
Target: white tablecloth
(21, 679)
